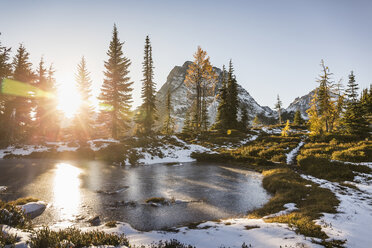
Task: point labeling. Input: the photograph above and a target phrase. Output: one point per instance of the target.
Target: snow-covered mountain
(181, 102)
(301, 103)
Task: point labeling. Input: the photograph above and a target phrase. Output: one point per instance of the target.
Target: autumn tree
(84, 118)
(200, 79)
(325, 104)
(116, 91)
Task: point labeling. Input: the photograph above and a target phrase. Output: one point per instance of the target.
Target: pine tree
(222, 111)
(278, 107)
(148, 108)
(116, 97)
(200, 77)
(354, 120)
(41, 106)
(5, 71)
(52, 119)
(298, 120)
(232, 98)
(187, 124)
(352, 89)
(168, 125)
(204, 114)
(84, 118)
(18, 108)
(244, 122)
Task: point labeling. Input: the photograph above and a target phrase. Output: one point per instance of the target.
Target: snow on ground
(23, 236)
(369, 164)
(290, 207)
(25, 150)
(174, 154)
(28, 149)
(230, 233)
(271, 130)
(34, 209)
(102, 143)
(354, 217)
(292, 154)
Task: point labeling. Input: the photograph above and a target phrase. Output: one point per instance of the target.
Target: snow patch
(353, 220)
(291, 155)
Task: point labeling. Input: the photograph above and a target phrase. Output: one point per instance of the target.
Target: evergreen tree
(354, 120)
(52, 119)
(298, 120)
(116, 90)
(18, 108)
(41, 106)
(244, 122)
(223, 106)
(232, 98)
(187, 124)
(352, 89)
(199, 78)
(84, 118)
(148, 108)
(168, 125)
(204, 114)
(5, 71)
(5, 66)
(278, 107)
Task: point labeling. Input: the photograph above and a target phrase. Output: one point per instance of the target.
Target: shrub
(360, 153)
(323, 168)
(7, 239)
(13, 216)
(170, 244)
(72, 237)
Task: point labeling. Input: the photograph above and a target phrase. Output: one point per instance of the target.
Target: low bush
(360, 153)
(7, 239)
(170, 244)
(72, 237)
(13, 216)
(288, 186)
(325, 169)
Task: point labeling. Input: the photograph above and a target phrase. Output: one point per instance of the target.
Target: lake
(78, 190)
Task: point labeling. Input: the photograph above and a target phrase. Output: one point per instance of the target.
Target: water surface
(78, 190)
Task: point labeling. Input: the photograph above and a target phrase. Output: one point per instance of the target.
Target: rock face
(181, 103)
(301, 103)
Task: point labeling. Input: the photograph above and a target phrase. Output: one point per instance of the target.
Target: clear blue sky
(276, 46)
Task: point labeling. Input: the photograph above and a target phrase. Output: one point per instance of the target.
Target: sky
(276, 46)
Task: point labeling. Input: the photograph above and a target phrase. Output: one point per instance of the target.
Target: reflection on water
(66, 190)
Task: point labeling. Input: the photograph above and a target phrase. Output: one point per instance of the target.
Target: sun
(69, 100)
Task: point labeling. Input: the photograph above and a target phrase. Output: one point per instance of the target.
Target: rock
(95, 221)
(3, 188)
(33, 209)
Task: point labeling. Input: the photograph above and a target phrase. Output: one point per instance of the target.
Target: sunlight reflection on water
(66, 190)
